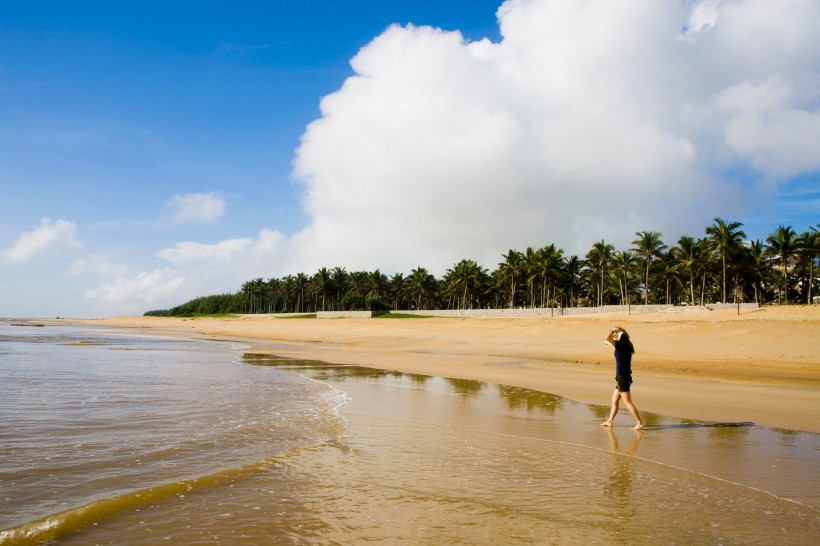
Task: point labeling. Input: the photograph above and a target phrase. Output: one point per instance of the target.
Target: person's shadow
(700, 425)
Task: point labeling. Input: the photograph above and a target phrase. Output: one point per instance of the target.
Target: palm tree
(757, 265)
(752, 264)
(272, 289)
(301, 282)
(288, 292)
(510, 270)
(358, 282)
(648, 245)
(782, 245)
(726, 237)
(531, 272)
(253, 292)
(598, 259)
(808, 246)
(338, 280)
(247, 290)
(571, 277)
(320, 286)
(376, 285)
(549, 262)
(465, 280)
(672, 276)
(396, 287)
(421, 286)
(685, 255)
(623, 263)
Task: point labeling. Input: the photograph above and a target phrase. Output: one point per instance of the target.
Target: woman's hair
(624, 338)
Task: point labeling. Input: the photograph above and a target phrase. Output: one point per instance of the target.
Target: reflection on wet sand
(622, 476)
(622, 469)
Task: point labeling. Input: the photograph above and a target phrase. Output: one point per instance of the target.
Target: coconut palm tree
(288, 293)
(550, 260)
(808, 246)
(757, 265)
(377, 285)
(272, 289)
(726, 237)
(247, 291)
(686, 254)
(358, 282)
(570, 276)
(782, 245)
(319, 287)
(673, 276)
(421, 287)
(649, 246)
(301, 283)
(597, 259)
(396, 288)
(511, 270)
(531, 273)
(623, 263)
(466, 280)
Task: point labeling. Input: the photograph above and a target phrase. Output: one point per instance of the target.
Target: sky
(152, 152)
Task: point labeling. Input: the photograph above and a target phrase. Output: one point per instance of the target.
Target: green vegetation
(221, 304)
(722, 266)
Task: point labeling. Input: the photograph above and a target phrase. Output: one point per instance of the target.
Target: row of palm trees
(718, 267)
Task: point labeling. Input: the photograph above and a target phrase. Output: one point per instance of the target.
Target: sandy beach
(760, 366)
(272, 430)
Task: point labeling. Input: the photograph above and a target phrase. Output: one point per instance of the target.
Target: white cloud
(195, 269)
(765, 125)
(704, 16)
(99, 265)
(146, 291)
(48, 238)
(195, 208)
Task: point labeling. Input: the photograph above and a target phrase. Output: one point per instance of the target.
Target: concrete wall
(348, 314)
(528, 312)
(570, 311)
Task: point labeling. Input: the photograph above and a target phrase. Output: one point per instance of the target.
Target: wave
(61, 524)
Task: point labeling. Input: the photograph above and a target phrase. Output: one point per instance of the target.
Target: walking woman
(624, 350)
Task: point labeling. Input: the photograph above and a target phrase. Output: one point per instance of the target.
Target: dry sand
(761, 365)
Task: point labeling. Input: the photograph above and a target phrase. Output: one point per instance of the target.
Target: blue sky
(151, 152)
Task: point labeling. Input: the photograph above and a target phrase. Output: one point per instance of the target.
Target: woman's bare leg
(616, 397)
(633, 410)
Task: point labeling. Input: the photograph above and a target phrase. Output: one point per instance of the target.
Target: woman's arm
(610, 338)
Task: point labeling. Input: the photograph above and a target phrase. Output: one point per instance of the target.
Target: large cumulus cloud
(589, 119)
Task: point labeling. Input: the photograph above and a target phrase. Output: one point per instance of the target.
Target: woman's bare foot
(606, 424)
(639, 426)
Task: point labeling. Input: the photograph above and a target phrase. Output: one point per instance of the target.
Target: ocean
(112, 438)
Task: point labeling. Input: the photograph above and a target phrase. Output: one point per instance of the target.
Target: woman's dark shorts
(623, 382)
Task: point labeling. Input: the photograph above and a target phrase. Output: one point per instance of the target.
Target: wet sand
(760, 366)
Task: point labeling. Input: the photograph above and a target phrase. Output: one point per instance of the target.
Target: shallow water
(182, 441)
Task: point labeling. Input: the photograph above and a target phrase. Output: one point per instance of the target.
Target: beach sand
(761, 365)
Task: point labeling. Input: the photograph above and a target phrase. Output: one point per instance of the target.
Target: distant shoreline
(762, 365)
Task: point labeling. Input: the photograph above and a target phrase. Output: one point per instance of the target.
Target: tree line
(722, 266)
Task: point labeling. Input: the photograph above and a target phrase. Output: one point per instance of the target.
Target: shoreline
(760, 366)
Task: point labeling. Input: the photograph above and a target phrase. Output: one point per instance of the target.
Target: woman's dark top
(623, 358)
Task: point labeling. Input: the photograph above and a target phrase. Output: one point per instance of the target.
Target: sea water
(95, 425)
(120, 439)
